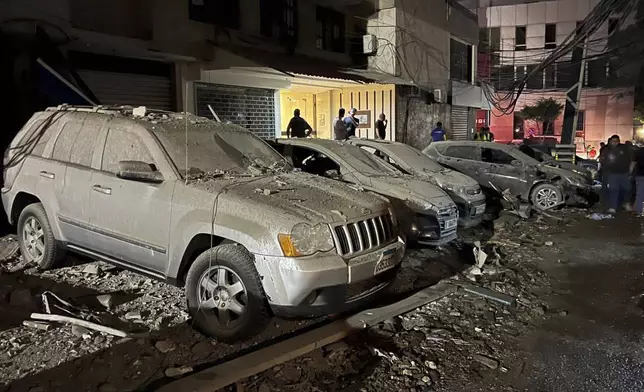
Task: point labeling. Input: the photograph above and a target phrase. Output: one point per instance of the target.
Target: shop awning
(297, 65)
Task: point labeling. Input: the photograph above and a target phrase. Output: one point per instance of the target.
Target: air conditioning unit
(369, 44)
(438, 95)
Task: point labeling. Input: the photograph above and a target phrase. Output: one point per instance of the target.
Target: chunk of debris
(486, 361)
(336, 347)
(266, 192)
(92, 269)
(133, 315)
(177, 371)
(9, 250)
(36, 325)
(165, 346)
(202, 349)
(340, 214)
(105, 300)
(549, 243)
(281, 183)
(80, 331)
(139, 112)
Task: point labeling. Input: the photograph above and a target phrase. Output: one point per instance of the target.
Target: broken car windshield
(414, 158)
(364, 162)
(216, 148)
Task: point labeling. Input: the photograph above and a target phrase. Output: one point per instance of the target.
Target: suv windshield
(218, 148)
(415, 158)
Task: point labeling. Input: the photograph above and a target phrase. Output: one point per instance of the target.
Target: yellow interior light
(286, 243)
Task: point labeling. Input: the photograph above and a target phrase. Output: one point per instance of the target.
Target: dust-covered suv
(195, 202)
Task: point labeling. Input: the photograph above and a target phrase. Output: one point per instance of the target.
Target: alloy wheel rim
(547, 198)
(34, 239)
(222, 293)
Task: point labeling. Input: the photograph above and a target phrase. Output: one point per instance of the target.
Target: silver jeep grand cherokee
(190, 201)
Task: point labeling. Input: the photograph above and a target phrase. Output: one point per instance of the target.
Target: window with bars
(278, 19)
(215, 12)
(520, 38)
(535, 81)
(549, 76)
(581, 120)
(460, 59)
(551, 36)
(330, 25)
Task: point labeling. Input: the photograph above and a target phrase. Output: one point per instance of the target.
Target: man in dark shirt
(381, 127)
(351, 121)
(616, 161)
(298, 126)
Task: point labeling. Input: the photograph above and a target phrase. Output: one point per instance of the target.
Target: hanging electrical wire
(505, 100)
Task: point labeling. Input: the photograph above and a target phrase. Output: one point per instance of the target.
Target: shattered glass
(218, 148)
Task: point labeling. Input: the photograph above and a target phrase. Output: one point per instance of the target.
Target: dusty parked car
(223, 214)
(464, 190)
(585, 167)
(425, 212)
(507, 168)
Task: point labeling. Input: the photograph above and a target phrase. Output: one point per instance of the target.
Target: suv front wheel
(225, 295)
(36, 240)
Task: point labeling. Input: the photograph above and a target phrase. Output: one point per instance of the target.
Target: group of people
(344, 127)
(621, 167)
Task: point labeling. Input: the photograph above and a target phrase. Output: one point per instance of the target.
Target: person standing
(438, 134)
(484, 135)
(381, 127)
(351, 123)
(298, 127)
(617, 164)
(638, 170)
(339, 127)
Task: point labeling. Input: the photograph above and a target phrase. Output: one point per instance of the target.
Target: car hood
(563, 172)
(411, 188)
(299, 196)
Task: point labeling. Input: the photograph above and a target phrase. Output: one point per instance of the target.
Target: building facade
(254, 61)
(517, 35)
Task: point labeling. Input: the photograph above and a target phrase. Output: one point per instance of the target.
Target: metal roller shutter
(113, 88)
(460, 115)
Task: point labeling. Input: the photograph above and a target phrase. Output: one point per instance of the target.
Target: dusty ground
(577, 325)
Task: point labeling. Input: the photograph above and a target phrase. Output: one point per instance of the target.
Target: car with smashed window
(197, 203)
(586, 167)
(504, 168)
(426, 213)
(464, 190)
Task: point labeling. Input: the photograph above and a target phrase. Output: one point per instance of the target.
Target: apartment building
(518, 35)
(252, 61)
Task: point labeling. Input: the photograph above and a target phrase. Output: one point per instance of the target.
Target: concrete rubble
(457, 340)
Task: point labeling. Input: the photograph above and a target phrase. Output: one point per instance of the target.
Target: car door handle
(102, 189)
(47, 174)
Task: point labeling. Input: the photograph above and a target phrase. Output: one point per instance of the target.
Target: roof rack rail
(99, 108)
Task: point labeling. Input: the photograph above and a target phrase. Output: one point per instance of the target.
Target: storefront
(126, 81)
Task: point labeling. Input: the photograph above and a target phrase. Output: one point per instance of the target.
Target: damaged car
(504, 168)
(464, 190)
(426, 213)
(200, 204)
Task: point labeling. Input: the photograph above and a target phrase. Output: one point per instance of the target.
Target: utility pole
(573, 95)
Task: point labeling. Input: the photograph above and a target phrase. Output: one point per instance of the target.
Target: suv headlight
(305, 240)
(454, 188)
(419, 205)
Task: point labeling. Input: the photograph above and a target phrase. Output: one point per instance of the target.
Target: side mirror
(138, 171)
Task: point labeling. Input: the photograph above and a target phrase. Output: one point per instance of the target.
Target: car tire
(546, 196)
(36, 239)
(214, 298)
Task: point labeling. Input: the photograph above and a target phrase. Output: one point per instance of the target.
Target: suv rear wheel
(225, 295)
(37, 242)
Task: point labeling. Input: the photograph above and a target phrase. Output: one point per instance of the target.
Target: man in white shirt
(339, 126)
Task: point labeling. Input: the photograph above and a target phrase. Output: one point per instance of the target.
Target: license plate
(450, 224)
(479, 210)
(386, 262)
